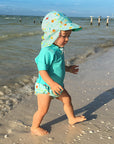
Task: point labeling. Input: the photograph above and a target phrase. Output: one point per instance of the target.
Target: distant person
(57, 29)
(34, 21)
(20, 20)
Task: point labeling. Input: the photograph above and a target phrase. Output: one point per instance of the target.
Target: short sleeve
(44, 59)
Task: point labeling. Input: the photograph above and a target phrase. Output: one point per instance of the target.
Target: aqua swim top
(52, 24)
(51, 59)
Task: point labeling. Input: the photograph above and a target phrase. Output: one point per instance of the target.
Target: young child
(57, 29)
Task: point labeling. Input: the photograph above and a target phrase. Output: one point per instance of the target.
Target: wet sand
(92, 92)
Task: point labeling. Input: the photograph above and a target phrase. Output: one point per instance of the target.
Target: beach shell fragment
(83, 132)
(106, 109)
(98, 130)
(59, 114)
(102, 122)
(51, 138)
(109, 137)
(6, 136)
(91, 131)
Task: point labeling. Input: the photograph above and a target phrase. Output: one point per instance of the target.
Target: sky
(75, 8)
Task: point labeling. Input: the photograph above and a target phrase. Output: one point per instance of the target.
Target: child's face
(63, 38)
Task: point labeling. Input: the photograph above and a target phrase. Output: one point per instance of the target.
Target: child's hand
(74, 69)
(56, 88)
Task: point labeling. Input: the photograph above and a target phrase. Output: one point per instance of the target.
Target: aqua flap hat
(52, 24)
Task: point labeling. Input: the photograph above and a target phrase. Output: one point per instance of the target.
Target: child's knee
(67, 101)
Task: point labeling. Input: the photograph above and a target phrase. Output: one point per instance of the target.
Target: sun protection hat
(52, 24)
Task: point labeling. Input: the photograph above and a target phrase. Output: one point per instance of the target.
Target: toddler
(57, 29)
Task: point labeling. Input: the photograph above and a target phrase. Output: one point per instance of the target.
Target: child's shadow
(98, 102)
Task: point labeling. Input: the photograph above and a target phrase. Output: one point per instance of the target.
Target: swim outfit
(51, 57)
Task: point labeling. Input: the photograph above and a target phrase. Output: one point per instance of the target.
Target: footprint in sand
(17, 123)
(17, 126)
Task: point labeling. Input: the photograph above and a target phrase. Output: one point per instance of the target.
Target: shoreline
(10, 93)
(92, 91)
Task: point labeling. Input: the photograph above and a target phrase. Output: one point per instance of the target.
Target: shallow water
(20, 43)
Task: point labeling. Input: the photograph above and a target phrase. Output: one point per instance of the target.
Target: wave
(12, 92)
(7, 18)
(18, 35)
(107, 44)
(100, 48)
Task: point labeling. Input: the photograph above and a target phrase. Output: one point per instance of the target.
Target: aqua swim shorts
(44, 89)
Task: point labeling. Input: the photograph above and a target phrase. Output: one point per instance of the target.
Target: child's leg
(43, 105)
(68, 108)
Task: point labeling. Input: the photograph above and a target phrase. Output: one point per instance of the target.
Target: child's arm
(56, 88)
(72, 69)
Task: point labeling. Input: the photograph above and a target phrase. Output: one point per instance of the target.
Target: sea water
(20, 40)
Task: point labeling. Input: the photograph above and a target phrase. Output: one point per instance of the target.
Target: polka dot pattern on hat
(52, 24)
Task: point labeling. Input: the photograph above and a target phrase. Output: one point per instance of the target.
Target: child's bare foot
(77, 119)
(38, 131)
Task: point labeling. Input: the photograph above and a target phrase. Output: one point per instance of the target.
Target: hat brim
(71, 26)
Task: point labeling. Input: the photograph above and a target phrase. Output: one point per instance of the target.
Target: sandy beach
(92, 92)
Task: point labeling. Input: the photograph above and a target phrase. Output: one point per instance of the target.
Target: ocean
(20, 39)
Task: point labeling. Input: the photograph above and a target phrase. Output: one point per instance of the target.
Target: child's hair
(52, 24)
